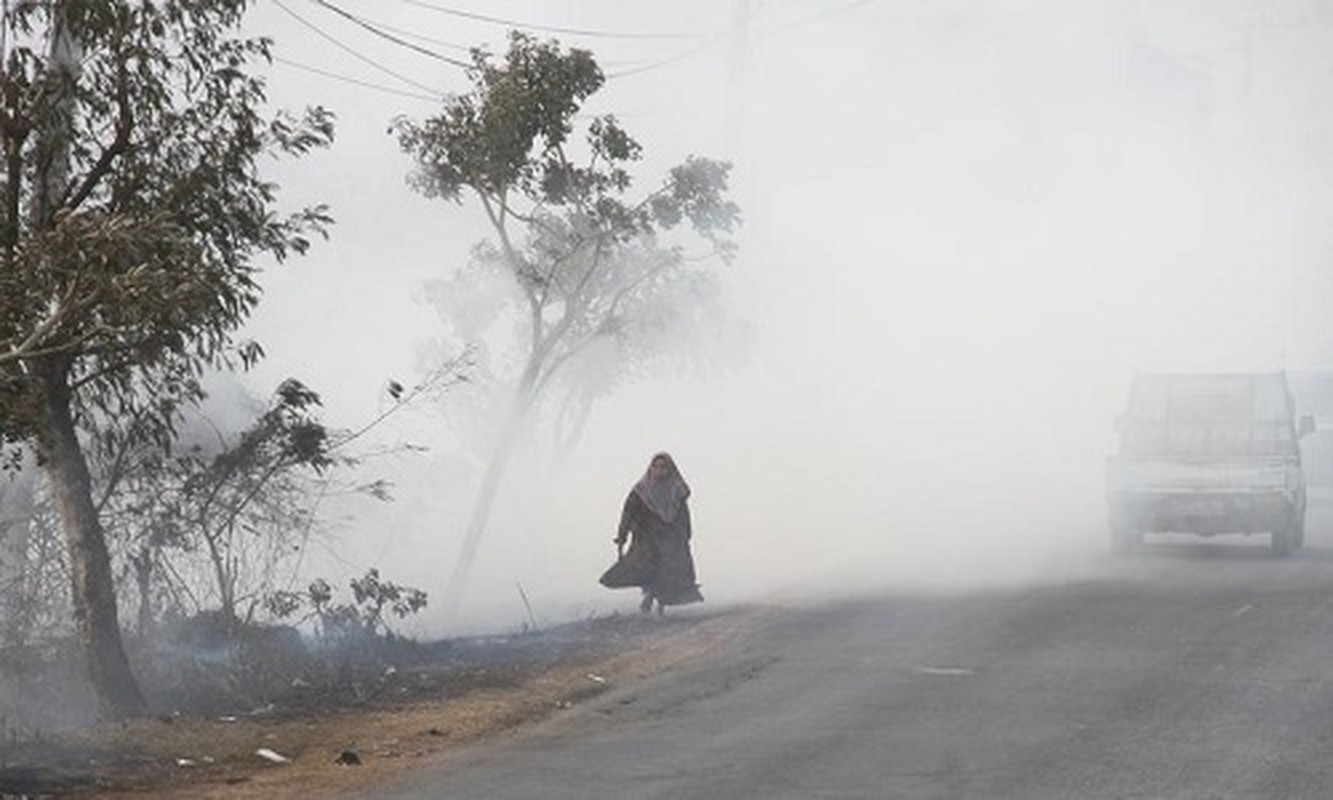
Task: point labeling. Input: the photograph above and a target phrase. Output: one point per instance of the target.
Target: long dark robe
(658, 558)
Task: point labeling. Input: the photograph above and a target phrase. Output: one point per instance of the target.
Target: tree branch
(119, 145)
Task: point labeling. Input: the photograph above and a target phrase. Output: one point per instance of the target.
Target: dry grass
(447, 706)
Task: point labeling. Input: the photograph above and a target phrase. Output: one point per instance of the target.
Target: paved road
(1192, 671)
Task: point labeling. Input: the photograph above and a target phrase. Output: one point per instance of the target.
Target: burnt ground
(361, 721)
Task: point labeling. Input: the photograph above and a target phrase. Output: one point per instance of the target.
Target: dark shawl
(665, 497)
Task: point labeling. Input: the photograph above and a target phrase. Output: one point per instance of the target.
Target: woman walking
(658, 560)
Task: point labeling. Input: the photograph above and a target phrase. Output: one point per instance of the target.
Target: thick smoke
(967, 225)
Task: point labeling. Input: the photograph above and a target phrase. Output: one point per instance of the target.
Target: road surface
(1190, 671)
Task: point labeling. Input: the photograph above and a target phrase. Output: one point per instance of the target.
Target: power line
(382, 31)
(663, 62)
(817, 17)
(355, 81)
(452, 45)
(462, 48)
(455, 12)
(378, 31)
(352, 52)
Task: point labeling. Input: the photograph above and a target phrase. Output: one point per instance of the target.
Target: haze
(966, 224)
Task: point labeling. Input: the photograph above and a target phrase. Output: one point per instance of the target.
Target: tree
(132, 212)
(241, 501)
(587, 261)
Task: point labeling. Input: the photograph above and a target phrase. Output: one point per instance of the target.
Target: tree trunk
(226, 591)
(485, 501)
(568, 434)
(61, 458)
(94, 595)
(142, 561)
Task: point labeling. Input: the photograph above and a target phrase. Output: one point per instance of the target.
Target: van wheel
(1284, 541)
(1125, 540)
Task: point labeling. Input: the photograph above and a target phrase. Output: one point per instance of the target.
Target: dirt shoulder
(477, 688)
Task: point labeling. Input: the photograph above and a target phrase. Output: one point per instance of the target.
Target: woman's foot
(646, 606)
(661, 609)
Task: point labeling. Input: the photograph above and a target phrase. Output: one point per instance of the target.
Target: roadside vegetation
(153, 536)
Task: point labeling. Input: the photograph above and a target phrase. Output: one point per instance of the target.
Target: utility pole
(736, 64)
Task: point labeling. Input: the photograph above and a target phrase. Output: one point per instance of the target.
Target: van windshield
(1207, 415)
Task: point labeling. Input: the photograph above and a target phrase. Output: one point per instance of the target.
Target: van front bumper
(1204, 513)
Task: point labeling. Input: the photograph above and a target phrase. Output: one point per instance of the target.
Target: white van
(1209, 454)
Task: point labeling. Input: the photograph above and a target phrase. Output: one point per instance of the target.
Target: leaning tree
(132, 215)
(585, 257)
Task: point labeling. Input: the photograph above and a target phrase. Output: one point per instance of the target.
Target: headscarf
(665, 497)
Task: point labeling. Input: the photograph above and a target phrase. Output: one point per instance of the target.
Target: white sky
(966, 223)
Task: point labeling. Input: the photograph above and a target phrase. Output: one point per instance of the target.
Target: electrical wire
(384, 34)
(355, 81)
(817, 17)
(383, 31)
(624, 73)
(378, 28)
(353, 52)
(462, 48)
(456, 12)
